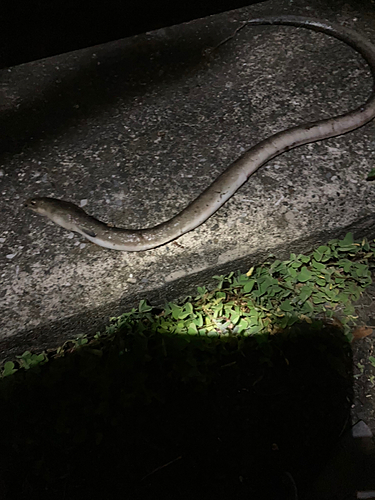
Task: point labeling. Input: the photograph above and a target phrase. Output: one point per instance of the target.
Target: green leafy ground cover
(267, 299)
(203, 399)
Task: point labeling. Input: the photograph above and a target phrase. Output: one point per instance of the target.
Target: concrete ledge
(138, 128)
(93, 320)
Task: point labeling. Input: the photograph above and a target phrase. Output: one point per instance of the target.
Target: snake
(74, 218)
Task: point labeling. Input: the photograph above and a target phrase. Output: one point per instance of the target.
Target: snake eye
(30, 203)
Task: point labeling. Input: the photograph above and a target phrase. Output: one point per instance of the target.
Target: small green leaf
(220, 279)
(286, 306)
(304, 275)
(274, 290)
(319, 298)
(80, 341)
(318, 266)
(253, 330)
(303, 258)
(179, 327)
(347, 265)
(361, 270)
(192, 329)
(322, 249)
(320, 252)
(8, 368)
(307, 307)
(292, 272)
(347, 241)
(305, 292)
(242, 325)
(275, 266)
(248, 286)
(144, 307)
(176, 310)
(235, 317)
(264, 284)
(326, 256)
(198, 321)
(25, 355)
(320, 281)
(188, 307)
(296, 264)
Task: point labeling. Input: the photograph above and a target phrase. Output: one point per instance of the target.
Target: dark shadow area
(34, 30)
(126, 71)
(145, 419)
(39, 29)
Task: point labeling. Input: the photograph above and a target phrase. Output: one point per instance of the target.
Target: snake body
(73, 218)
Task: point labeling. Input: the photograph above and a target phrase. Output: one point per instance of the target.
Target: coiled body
(74, 218)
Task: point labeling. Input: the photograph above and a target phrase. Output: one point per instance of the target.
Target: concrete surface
(133, 130)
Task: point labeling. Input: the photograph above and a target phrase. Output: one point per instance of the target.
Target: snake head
(61, 212)
(56, 210)
(40, 205)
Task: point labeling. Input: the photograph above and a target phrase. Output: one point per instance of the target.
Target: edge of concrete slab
(54, 333)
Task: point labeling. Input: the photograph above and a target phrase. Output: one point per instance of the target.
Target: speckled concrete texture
(134, 130)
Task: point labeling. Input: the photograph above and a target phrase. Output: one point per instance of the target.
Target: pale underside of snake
(73, 218)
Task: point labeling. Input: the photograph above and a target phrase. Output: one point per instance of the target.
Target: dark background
(35, 29)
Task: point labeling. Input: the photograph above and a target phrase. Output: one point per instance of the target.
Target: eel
(74, 218)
